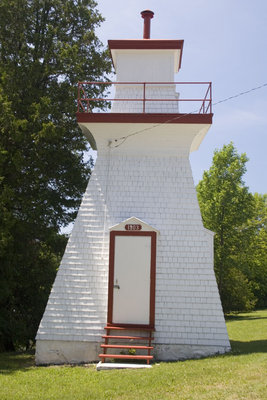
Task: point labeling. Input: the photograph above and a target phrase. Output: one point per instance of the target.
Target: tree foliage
(254, 257)
(46, 46)
(237, 217)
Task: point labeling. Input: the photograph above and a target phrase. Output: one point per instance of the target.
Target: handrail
(85, 100)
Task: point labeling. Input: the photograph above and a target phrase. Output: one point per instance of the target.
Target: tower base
(175, 352)
(67, 352)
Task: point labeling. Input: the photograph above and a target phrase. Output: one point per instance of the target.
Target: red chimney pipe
(147, 15)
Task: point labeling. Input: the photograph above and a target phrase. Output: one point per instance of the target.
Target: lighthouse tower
(138, 266)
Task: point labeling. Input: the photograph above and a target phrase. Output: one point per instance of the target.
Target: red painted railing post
(210, 99)
(144, 98)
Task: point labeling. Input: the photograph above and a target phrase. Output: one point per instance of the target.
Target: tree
(226, 207)
(46, 47)
(254, 257)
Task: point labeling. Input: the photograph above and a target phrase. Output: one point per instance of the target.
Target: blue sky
(225, 41)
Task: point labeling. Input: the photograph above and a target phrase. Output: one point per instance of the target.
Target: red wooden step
(128, 337)
(129, 328)
(121, 346)
(125, 356)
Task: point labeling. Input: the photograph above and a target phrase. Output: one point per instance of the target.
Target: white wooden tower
(139, 262)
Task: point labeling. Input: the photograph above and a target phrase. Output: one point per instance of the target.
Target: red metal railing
(86, 103)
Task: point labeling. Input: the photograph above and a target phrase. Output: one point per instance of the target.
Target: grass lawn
(241, 374)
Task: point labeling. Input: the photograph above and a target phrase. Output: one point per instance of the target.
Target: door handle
(116, 286)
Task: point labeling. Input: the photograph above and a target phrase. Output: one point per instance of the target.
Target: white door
(131, 291)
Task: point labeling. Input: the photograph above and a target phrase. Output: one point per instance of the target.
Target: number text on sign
(133, 227)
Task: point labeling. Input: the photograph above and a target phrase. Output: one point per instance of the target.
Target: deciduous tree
(46, 46)
(227, 207)
(253, 259)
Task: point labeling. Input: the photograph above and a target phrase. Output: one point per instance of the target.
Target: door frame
(153, 236)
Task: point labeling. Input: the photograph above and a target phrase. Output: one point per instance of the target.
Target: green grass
(241, 374)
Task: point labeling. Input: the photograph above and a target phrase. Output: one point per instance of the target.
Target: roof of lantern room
(175, 46)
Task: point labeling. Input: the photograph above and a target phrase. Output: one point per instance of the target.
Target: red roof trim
(144, 118)
(146, 44)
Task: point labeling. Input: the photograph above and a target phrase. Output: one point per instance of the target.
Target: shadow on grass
(13, 361)
(241, 318)
(10, 363)
(255, 346)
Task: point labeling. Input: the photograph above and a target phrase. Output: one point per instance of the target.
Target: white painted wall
(145, 65)
(143, 139)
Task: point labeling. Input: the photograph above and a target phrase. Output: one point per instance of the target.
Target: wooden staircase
(127, 343)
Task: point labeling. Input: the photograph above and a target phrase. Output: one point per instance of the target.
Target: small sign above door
(133, 227)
